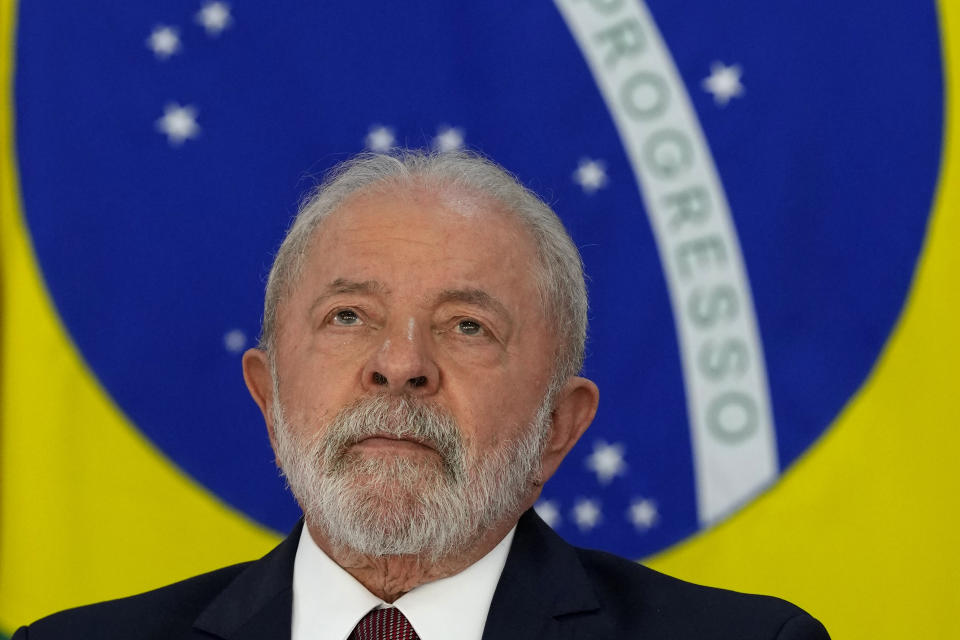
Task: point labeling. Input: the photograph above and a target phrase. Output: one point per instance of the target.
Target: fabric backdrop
(765, 196)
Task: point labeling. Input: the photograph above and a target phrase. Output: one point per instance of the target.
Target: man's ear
(573, 411)
(256, 373)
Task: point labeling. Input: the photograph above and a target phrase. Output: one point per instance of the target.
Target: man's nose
(403, 363)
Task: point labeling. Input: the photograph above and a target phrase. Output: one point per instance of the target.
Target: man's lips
(389, 441)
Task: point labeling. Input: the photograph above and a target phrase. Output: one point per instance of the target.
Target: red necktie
(384, 624)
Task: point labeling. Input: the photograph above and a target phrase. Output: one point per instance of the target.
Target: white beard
(394, 506)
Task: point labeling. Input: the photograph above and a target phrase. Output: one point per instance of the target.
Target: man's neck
(389, 577)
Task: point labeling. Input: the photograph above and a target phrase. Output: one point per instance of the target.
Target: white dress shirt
(328, 602)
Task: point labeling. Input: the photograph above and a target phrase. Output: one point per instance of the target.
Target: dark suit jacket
(548, 589)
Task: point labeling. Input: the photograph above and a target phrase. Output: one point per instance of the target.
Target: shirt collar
(328, 602)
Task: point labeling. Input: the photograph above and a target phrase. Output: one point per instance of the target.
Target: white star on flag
(606, 461)
(234, 340)
(723, 82)
(380, 139)
(215, 17)
(591, 175)
(164, 41)
(178, 123)
(643, 513)
(448, 139)
(549, 511)
(586, 513)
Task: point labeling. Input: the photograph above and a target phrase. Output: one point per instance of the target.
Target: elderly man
(423, 329)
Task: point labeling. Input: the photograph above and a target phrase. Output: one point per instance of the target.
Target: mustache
(400, 417)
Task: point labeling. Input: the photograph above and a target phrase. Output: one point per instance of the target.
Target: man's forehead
(427, 213)
(438, 211)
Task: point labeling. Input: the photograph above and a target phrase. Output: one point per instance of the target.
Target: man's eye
(347, 318)
(470, 328)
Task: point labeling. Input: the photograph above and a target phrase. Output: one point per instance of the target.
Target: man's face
(414, 301)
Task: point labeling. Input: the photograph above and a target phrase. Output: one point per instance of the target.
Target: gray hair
(561, 280)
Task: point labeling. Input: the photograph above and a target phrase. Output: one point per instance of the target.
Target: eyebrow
(468, 295)
(477, 297)
(342, 286)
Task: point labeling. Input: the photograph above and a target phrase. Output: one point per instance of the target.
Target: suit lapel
(259, 601)
(542, 584)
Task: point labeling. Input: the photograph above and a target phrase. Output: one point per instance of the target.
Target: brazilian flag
(765, 195)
